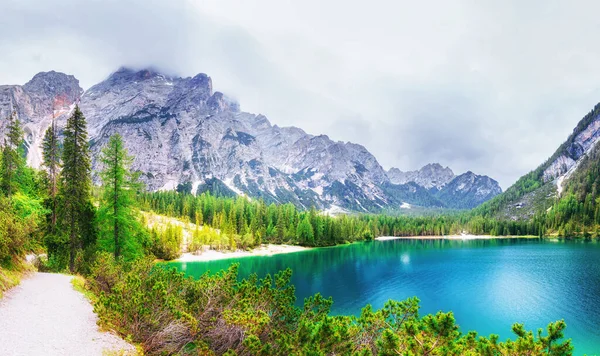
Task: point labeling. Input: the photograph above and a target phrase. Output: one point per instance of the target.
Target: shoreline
(263, 250)
(453, 237)
(275, 249)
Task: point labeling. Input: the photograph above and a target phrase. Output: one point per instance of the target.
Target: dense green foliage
(165, 243)
(19, 221)
(14, 230)
(171, 314)
(21, 210)
(255, 222)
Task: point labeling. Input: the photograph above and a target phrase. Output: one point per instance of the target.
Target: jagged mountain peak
(47, 96)
(52, 86)
(437, 170)
(141, 73)
(434, 166)
(181, 131)
(128, 76)
(49, 77)
(468, 190)
(432, 175)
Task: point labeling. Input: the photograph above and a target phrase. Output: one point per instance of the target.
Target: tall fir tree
(117, 216)
(12, 161)
(75, 183)
(51, 155)
(305, 233)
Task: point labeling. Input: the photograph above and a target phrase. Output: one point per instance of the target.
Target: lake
(488, 284)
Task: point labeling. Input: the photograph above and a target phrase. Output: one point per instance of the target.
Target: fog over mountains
(183, 132)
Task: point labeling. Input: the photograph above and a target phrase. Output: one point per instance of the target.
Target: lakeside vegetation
(103, 237)
(171, 314)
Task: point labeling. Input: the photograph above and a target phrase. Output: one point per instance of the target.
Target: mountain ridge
(181, 131)
(537, 191)
(466, 190)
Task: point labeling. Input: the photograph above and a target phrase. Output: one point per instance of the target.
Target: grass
(11, 273)
(79, 285)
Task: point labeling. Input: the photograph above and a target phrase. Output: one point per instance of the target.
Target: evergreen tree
(12, 161)
(305, 232)
(75, 184)
(51, 155)
(280, 226)
(119, 186)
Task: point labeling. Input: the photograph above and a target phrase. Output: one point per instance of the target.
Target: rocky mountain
(430, 176)
(468, 190)
(181, 131)
(537, 190)
(458, 192)
(46, 96)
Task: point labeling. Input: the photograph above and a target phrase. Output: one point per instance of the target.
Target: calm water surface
(488, 284)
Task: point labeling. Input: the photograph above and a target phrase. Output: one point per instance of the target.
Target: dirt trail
(44, 315)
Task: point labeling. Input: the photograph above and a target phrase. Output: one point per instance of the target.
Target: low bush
(169, 313)
(16, 226)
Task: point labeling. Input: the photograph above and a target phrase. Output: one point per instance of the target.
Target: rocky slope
(45, 96)
(181, 131)
(537, 190)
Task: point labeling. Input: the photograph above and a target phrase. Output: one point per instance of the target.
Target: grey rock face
(576, 148)
(468, 190)
(46, 95)
(432, 175)
(181, 131)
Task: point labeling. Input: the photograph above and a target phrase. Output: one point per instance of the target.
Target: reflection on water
(488, 284)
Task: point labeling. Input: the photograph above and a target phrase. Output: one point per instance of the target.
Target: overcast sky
(488, 86)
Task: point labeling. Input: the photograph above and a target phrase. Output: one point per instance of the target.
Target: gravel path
(44, 315)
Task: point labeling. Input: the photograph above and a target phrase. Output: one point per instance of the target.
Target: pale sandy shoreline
(451, 237)
(263, 250)
(273, 249)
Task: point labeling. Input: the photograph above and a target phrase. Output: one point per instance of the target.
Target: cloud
(492, 87)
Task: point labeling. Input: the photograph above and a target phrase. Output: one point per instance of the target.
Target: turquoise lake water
(488, 284)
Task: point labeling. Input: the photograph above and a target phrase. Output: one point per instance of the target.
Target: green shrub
(14, 231)
(168, 313)
(166, 242)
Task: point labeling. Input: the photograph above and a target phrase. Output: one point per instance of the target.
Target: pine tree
(119, 186)
(280, 225)
(11, 159)
(51, 155)
(305, 232)
(75, 184)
